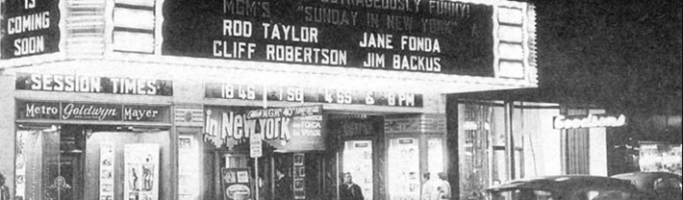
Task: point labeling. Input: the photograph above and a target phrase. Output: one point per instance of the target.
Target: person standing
(443, 188)
(429, 191)
(4, 190)
(283, 186)
(350, 190)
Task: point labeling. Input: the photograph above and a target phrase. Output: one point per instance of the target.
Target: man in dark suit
(283, 186)
(349, 190)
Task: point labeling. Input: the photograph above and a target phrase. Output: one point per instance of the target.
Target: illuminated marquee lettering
(290, 33)
(133, 86)
(87, 111)
(256, 92)
(32, 110)
(395, 5)
(28, 23)
(247, 8)
(330, 16)
(300, 54)
(92, 84)
(30, 28)
(65, 83)
(376, 40)
(423, 44)
(138, 114)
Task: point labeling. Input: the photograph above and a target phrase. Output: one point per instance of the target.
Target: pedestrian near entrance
(349, 190)
(283, 186)
(429, 191)
(4, 190)
(443, 187)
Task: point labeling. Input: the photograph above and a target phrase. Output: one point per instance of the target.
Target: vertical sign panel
(188, 168)
(404, 177)
(29, 27)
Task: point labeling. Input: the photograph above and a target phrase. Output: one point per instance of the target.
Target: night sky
(622, 55)
(617, 53)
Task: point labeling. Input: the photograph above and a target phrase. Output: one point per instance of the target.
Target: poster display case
(236, 184)
(404, 169)
(141, 178)
(188, 168)
(358, 161)
(435, 156)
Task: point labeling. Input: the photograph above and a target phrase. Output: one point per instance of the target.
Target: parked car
(566, 187)
(663, 185)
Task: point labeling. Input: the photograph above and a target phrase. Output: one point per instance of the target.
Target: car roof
(645, 180)
(564, 183)
(647, 175)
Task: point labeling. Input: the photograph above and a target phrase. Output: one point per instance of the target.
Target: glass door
(357, 160)
(404, 169)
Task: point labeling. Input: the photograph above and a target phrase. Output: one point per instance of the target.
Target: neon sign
(590, 121)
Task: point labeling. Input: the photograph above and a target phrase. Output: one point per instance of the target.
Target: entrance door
(357, 160)
(404, 169)
(49, 163)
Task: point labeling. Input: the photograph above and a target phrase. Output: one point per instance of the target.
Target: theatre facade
(186, 100)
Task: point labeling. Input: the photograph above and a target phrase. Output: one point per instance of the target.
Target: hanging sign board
(432, 36)
(29, 27)
(287, 129)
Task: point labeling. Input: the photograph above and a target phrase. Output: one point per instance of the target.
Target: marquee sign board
(429, 36)
(29, 27)
(256, 92)
(93, 84)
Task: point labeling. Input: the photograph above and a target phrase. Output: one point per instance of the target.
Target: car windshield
(529, 194)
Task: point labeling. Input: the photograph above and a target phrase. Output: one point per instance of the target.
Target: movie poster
(21, 164)
(141, 179)
(107, 156)
(236, 184)
(299, 176)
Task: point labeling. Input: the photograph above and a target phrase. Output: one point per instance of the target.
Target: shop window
(476, 130)
(92, 162)
(49, 163)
